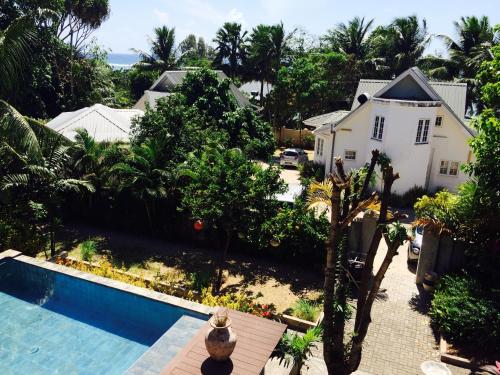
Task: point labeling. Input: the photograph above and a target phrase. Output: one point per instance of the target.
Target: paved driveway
(399, 338)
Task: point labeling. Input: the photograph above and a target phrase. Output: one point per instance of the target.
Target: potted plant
(293, 349)
(220, 339)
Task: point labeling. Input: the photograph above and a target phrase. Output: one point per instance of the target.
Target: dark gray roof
(171, 78)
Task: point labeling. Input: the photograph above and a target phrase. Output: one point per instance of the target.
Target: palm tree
(15, 46)
(351, 38)
(408, 39)
(231, 48)
(268, 46)
(46, 182)
(475, 38)
(163, 55)
(143, 176)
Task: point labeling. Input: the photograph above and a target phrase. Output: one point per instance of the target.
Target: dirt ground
(270, 282)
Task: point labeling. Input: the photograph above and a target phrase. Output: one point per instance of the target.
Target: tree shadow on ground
(420, 302)
(132, 250)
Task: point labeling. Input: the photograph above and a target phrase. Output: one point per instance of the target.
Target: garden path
(399, 338)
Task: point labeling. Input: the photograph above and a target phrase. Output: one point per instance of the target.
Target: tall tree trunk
(368, 291)
(365, 319)
(332, 353)
(148, 214)
(261, 91)
(222, 263)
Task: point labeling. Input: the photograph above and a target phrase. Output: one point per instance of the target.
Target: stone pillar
(356, 234)
(445, 253)
(428, 255)
(369, 227)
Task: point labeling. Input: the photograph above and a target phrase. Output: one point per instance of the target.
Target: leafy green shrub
(297, 347)
(308, 141)
(466, 313)
(295, 232)
(409, 198)
(88, 250)
(200, 280)
(288, 142)
(305, 309)
(310, 169)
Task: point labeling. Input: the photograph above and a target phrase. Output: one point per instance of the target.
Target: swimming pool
(62, 321)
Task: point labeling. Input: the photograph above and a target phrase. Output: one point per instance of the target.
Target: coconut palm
(231, 48)
(475, 38)
(351, 38)
(47, 182)
(268, 46)
(15, 46)
(163, 55)
(408, 39)
(142, 175)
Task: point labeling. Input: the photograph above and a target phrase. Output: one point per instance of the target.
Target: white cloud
(202, 10)
(162, 16)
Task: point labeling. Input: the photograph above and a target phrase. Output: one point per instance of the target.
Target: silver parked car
(415, 245)
(293, 157)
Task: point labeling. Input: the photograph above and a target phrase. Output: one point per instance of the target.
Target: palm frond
(16, 131)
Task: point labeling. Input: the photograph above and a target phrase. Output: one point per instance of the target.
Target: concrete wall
(295, 135)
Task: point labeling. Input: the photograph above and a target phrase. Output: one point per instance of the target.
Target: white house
(164, 85)
(101, 122)
(419, 124)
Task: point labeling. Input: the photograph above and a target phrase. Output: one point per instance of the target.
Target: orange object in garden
(198, 225)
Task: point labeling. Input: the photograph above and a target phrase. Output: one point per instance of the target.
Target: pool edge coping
(110, 283)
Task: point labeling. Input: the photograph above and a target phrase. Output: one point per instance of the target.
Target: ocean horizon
(122, 60)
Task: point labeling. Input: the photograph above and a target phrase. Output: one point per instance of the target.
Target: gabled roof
(171, 78)
(101, 122)
(150, 97)
(253, 88)
(326, 118)
(448, 93)
(452, 93)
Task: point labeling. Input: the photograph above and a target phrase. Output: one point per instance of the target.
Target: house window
(319, 147)
(449, 167)
(439, 121)
(378, 128)
(443, 168)
(454, 168)
(422, 131)
(350, 155)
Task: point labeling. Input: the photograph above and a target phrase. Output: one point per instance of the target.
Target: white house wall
(417, 164)
(450, 142)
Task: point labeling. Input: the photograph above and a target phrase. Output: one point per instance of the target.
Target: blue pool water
(52, 323)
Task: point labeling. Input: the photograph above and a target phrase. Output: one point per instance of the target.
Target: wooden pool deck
(257, 338)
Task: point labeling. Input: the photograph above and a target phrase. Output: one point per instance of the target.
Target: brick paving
(399, 338)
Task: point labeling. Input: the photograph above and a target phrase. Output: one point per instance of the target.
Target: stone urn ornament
(220, 339)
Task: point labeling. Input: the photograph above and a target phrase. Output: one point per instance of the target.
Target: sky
(132, 21)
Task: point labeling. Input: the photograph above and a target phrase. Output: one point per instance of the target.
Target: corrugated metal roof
(453, 93)
(326, 118)
(253, 87)
(171, 78)
(101, 122)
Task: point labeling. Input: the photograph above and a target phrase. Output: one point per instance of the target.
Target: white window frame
(438, 124)
(319, 146)
(449, 168)
(455, 169)
(423, 126)
(378, 128)
(445, 169)
(353, 152)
